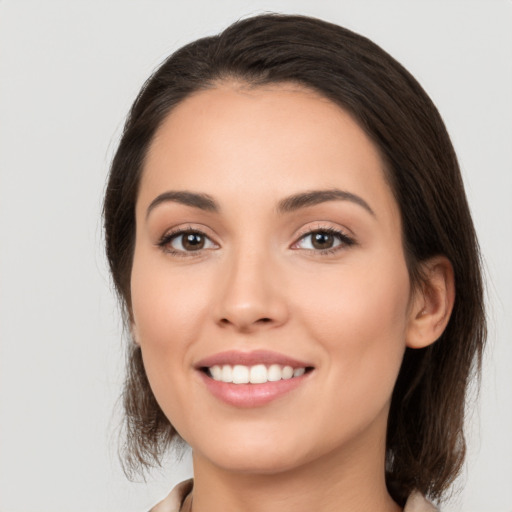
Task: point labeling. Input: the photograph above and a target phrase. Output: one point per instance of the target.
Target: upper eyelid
(324, 226)
(343, 237)
(301, 233)
(171, 234)
(180, 229)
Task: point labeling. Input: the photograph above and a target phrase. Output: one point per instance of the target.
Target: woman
(287, 228)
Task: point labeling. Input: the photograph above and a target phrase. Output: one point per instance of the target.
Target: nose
(252, 294)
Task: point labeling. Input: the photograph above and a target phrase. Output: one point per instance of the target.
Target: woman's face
(267, 237)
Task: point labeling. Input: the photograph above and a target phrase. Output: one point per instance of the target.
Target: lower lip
(251, 395)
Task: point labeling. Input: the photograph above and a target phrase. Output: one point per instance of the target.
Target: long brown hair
(425, 442)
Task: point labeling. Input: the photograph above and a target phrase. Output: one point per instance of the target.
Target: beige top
(179, 501)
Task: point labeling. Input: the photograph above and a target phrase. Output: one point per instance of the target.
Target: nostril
(245, 323)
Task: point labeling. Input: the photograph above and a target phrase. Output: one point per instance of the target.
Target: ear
(432, 303)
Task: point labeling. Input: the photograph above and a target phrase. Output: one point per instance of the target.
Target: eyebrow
(201, 201)
(287, 205)
(314, 197)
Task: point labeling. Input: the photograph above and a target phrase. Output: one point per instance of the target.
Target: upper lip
(234, 357)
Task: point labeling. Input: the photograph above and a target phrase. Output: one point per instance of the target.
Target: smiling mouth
(253, 379)
(255, 374)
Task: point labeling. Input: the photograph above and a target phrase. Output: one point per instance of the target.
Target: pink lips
(251, 358)
(251, 395)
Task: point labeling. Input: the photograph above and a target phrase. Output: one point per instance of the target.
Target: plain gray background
(69, 71)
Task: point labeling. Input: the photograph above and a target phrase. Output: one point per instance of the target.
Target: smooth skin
(254, 277)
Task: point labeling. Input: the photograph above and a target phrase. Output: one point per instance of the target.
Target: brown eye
(322, 240)
(192, 241)
(182, 242)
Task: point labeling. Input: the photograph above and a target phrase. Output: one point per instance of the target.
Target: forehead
(281, 115)
(268, 141)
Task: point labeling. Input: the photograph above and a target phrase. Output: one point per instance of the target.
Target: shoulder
(174, 501)
(418, 503)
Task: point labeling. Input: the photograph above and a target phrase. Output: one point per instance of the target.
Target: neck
(348, 479)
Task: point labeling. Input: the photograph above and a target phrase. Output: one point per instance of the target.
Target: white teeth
(287, 372)
(240, 374)
(257, 374)
(274, 373)
(298, 372)
(216, 372)
(227, 374)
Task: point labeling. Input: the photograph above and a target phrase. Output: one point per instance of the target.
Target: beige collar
(179, 500)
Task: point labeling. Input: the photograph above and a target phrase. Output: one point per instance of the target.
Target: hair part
(425, 441)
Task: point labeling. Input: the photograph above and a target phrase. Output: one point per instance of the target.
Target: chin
(253, 454)
(255, 463)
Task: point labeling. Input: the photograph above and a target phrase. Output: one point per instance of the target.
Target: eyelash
(344, 239)
(165, 241)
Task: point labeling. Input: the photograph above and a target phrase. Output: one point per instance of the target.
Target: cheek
(168, 311)
(167, 305)
(360, 318)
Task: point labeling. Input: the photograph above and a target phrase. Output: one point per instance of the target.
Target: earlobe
(432, 304)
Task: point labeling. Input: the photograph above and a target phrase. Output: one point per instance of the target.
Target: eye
(324, 240)
(184, 241)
